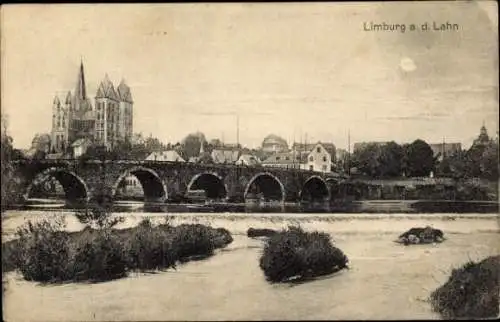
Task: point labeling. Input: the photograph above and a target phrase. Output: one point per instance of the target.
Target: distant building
(274, 143)
(319, 159)
(225, 156)
(74, 118)
(80, 146)
(315, 158)
(441, 150)
(358, 146)
(483, 138)
(248, 160)
(170, 156)
(329, 147)
(286, 160)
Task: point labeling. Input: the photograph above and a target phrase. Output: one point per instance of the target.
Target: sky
(293, 69)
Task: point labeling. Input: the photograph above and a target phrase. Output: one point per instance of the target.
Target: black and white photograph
(250, 161)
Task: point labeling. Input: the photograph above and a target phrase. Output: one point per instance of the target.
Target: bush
(471, 292)
(151, 248)
(42, 252)
(99, 256)
(193, 240)
(295, 253)
(97, 214)
(419, 235)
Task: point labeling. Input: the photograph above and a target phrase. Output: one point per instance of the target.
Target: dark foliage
(44, 253)
(294, 253)
(471, 292)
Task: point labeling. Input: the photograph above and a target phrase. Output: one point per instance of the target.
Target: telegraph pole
(237, 130)
(349, 152)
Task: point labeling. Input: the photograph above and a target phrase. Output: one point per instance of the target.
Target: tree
(419, 158)
(8, 180)
(367, 159)
(192, 143)
(390, 160)
(489, 162)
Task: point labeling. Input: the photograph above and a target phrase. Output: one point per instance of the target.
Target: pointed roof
(56, 101)
(106, 89)
(68, 98)
(124, 92)
(81, 90)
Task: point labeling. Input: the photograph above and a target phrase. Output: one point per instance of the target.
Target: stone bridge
(161, 181)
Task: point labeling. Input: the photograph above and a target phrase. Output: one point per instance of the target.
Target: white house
(315, 158)
(80, 146)
(319, 159)
(170, 155)
(248, 160)
(225, 156)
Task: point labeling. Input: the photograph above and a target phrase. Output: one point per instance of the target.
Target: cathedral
(106, 123)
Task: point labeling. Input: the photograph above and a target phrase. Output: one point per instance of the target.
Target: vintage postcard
(250, 161)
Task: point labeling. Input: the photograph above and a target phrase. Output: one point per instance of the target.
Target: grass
(471, 292)
(43, 252)
(296, 254)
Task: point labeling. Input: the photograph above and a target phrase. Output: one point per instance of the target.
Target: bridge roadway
(161, 181)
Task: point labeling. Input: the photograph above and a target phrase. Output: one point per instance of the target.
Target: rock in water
(257, 232)
(418, 235)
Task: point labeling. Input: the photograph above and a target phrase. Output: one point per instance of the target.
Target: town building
(273, 144)
(286, 160)
(358, 146)
(441, 150)
(312, 157)
(75, 117)
(248, 160)
(225, 156)
(169, 156)
(80, 146)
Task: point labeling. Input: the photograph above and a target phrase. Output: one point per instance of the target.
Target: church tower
(60, 127)
(107, 114)
(125, 124)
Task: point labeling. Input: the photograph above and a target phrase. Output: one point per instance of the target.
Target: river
(386, 280)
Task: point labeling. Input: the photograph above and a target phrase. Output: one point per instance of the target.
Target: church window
(311, 158)
(58, 122)
(318, 149)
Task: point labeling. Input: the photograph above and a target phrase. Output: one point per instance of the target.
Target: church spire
(81, 92)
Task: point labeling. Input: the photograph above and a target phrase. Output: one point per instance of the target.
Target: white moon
(407, 64)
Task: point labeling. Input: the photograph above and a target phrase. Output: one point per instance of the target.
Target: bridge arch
(334, 187)
(211, 183)
(267, 185)
(75, 188)
(152, 185)
(315, 189)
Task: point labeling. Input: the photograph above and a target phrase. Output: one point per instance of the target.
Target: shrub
(97, 214)
(46, 254)
(42, 251)
(471, 292)
(151, 248)
(193, 240)
(295, 253)
(99, 256)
